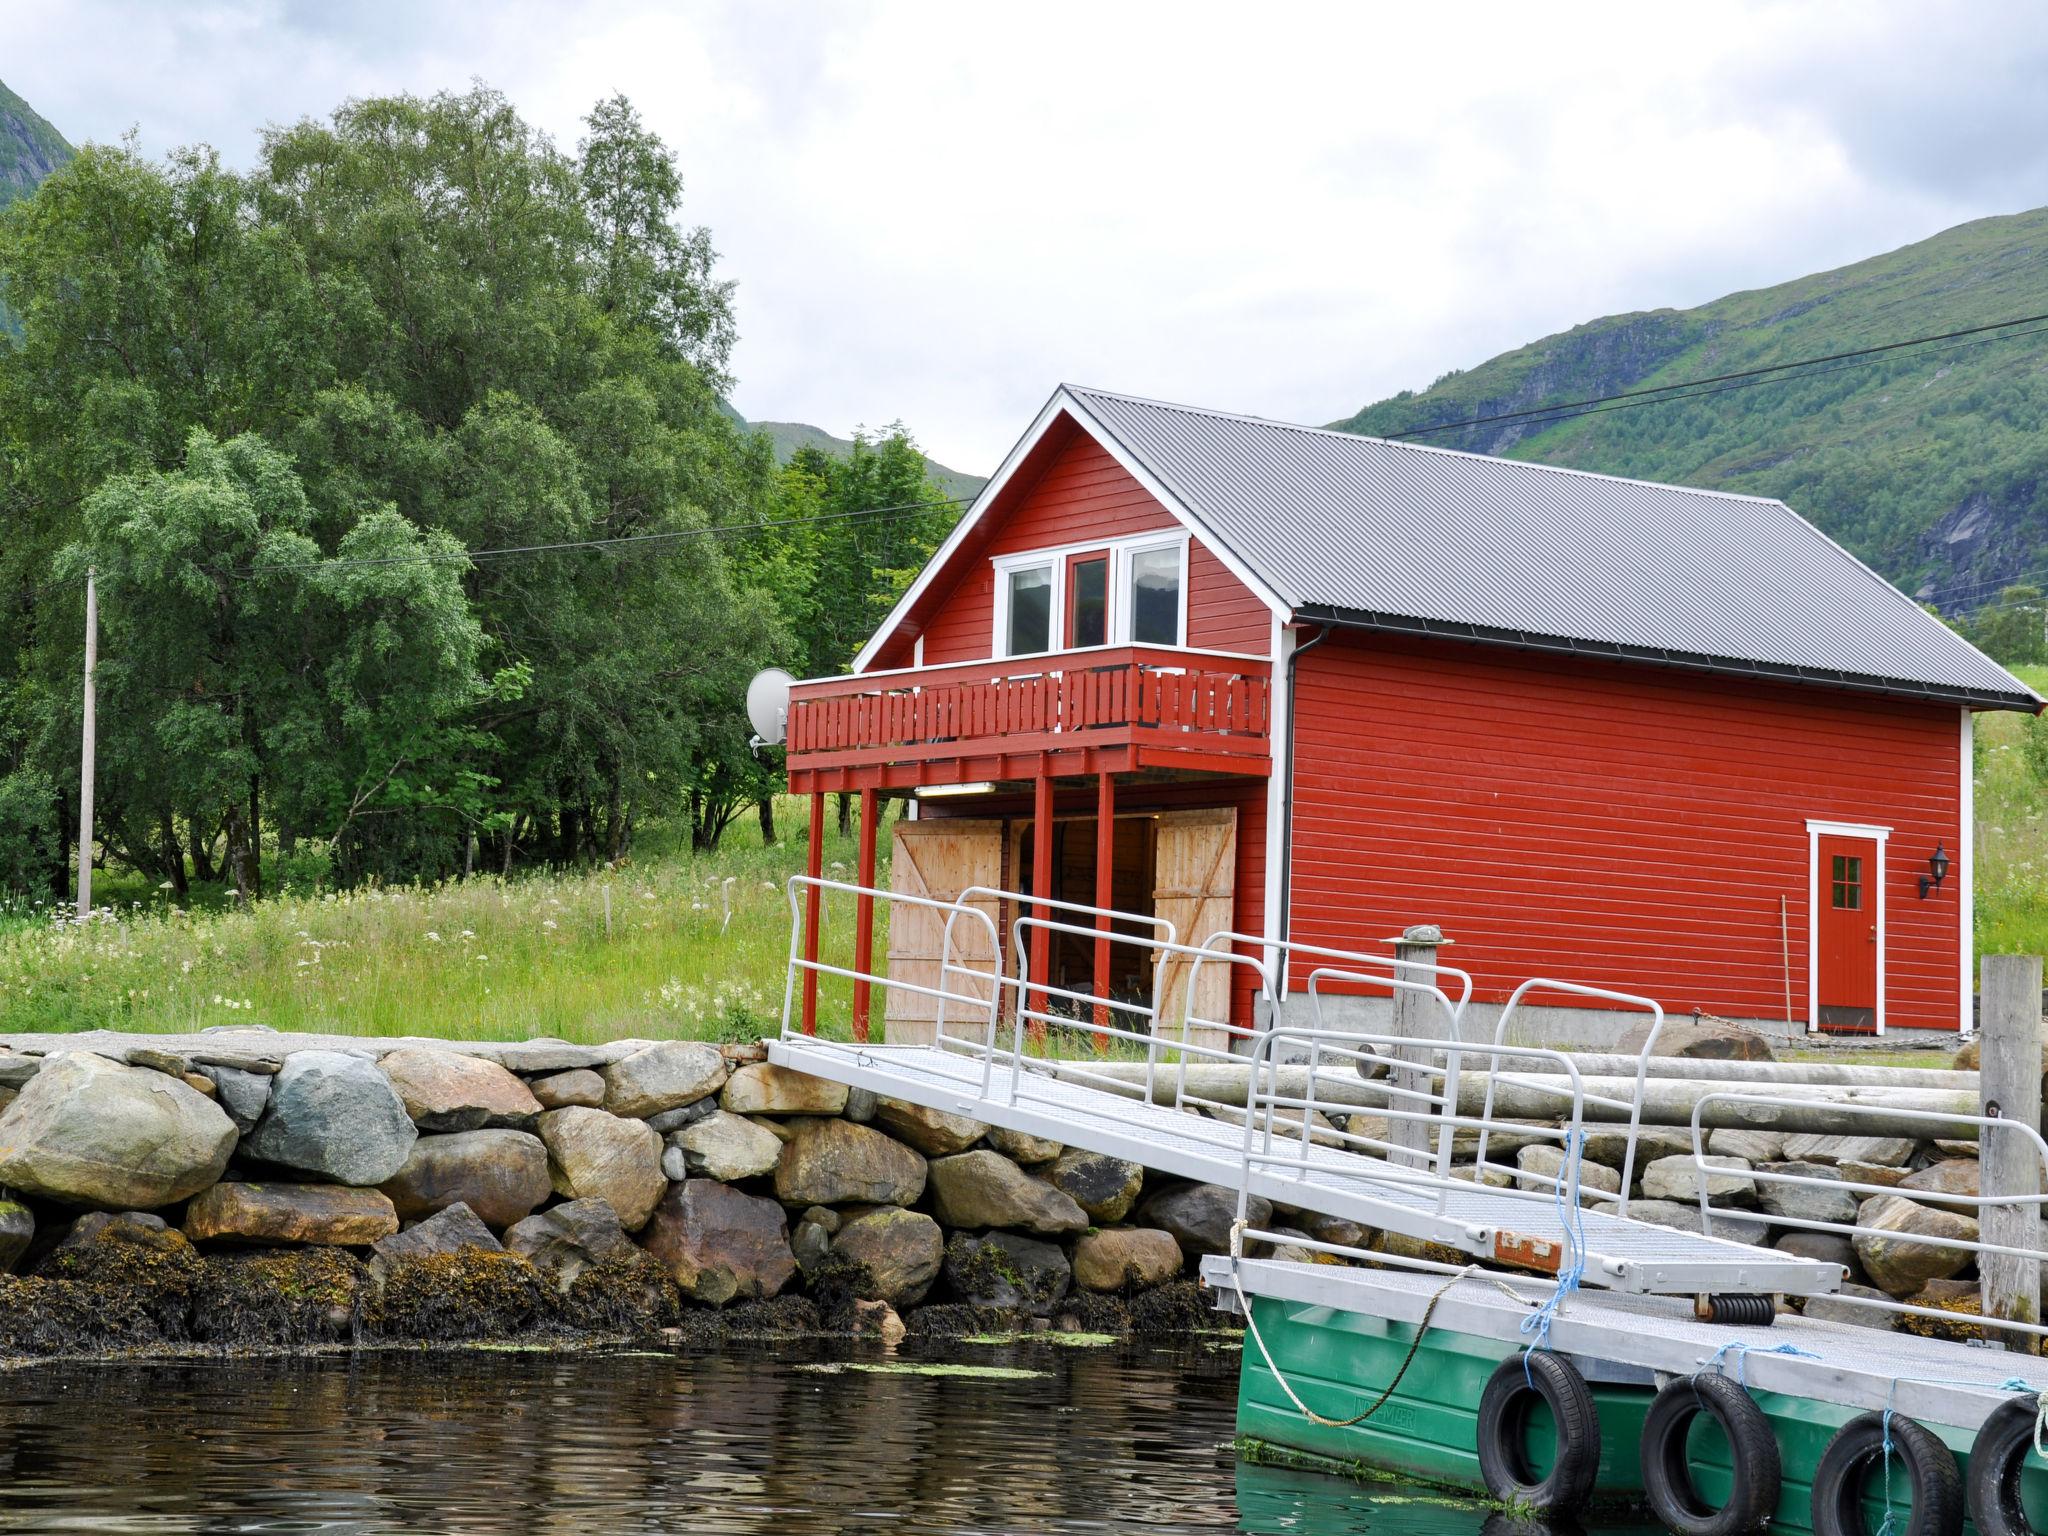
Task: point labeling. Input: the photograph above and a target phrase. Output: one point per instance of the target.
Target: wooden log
(1837, 1074)
(1821, 1110)
(2009, 1160)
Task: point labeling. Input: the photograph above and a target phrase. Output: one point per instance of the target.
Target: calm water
(1106, 1440)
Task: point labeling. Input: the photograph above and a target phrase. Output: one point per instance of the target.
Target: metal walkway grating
(1621, 1254)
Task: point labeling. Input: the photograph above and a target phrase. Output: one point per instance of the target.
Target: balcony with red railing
(1112, 709)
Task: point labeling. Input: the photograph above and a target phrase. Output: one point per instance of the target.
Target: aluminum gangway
(994, 1030)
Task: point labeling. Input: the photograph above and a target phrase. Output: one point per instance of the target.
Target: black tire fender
(1515, 1388)
(1667, 1475)
(1925, 1466)
(1997, 1457)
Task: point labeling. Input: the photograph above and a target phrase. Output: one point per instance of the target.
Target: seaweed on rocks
(292, 1297)
(447, 1297)
(632, 1294)
(1174, 1310)
(1093, 1312)
(778, 1317)
(961, 1320)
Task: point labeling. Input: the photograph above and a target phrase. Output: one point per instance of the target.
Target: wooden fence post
(2010, 1165)
(1417, 1015)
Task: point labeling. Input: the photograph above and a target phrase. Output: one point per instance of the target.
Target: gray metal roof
(1402, 536)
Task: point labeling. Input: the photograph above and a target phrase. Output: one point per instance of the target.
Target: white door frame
(1815, 831)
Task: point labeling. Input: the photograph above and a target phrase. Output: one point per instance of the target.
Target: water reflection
(490, 1443)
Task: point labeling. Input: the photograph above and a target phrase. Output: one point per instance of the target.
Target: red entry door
(1846, 975)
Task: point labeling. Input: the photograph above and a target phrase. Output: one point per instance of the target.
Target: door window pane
(1030, 611)
(1847, 883)
(1155, 596)
(1088, 624)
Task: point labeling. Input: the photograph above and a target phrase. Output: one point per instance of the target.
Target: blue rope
(1742, 1350)
(1573, 1221)
(2010, 1384)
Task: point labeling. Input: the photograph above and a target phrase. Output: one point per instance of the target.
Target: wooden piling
(2009, 1077)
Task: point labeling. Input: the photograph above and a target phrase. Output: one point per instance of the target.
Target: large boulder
(662, 1076)
(1685, 1217)
(1126, 1259)
(1007, 1270)
(933, 1132)
(1850, 1305)
(336, 1115)
(1019, 1147)
(578, 1088)
(565, 1240)
(446, 1231)
(1898, 1266)
(1825, 1201)
(1609, 1147)
(500, 1175)
(448, 1091)
(592, 1154)
(1822, 1248)
(1542, 1168)
(720, 1244)
(835, 1162)
(1726, 1179)
(1105, 1187)
(17, 1231)
(761, 1089)
(1752, 1146)
(985, 1189)
(243, 1094)
(726, 1147)
(899, 1250)
(1700, 1037)
(1883, 1151)
(1200, 1215)
(332, 1215)
(1955, 1176)
(93, 1132)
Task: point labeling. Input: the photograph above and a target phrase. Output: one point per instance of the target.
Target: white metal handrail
(1579, 989)
(1935, 1120)
(800, 963)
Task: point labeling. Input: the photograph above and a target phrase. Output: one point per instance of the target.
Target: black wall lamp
(1937, 867)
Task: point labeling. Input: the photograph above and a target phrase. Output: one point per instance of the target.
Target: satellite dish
(768, 705)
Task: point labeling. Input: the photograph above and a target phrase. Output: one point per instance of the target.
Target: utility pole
(85, 770)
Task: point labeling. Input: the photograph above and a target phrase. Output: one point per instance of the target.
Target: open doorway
(1072, 956)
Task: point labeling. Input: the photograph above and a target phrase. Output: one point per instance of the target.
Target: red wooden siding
(1611, 824)
(1082, 494)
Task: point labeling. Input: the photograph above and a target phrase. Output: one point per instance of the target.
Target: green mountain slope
(788, 436)
(29, 147)
(1932, 463)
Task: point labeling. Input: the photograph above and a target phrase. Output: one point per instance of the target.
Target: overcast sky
(937, 212)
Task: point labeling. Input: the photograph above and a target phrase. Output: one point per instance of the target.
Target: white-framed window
(1128, 591)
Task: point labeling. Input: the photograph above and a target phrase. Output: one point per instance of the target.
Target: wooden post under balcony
(864, 913)
(1105, 891)
(1041, 887)
(814, 866)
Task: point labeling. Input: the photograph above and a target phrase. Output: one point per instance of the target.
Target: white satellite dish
(768, 705)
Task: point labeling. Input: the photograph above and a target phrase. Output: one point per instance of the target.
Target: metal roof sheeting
(1399, 535)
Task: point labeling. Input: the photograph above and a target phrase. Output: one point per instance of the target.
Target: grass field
(482, 959)
(494, 959)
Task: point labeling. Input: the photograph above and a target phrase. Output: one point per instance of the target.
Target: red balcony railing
(1154, 706)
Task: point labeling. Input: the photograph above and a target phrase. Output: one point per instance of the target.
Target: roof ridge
(1390, 442)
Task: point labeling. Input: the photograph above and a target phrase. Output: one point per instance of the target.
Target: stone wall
(254, 1188)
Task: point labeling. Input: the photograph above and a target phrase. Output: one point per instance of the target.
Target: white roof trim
(1062, 403)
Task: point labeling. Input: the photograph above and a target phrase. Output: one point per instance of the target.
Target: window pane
(1847, 885)
(1030, 611)
(1090, 620)
(1155, 597)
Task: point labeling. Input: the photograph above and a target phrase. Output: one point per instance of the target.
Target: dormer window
(1128, 592)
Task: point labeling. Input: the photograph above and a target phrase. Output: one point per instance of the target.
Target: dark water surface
(1106, 1439)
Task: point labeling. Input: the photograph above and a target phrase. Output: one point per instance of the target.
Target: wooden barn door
(1194, 886)
(939, 859)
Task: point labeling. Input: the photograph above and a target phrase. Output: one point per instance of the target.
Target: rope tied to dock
(1536, 1326)
(1251, 1322)
(1742, 1350)
(2010, 1384)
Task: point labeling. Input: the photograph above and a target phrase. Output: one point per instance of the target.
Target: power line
(454, 557)
(1747, 378)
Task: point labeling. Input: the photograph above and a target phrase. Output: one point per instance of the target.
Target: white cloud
(938, 211)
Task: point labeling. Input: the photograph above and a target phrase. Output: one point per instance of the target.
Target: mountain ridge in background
(29, 147)
(789, 436)
(1930, 463)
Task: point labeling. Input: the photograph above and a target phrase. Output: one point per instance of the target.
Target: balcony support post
(1041, 887)
(814, 866)
(864, 913)
(1105, 889)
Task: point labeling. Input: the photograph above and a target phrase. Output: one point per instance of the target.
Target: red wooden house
(1303, 684)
